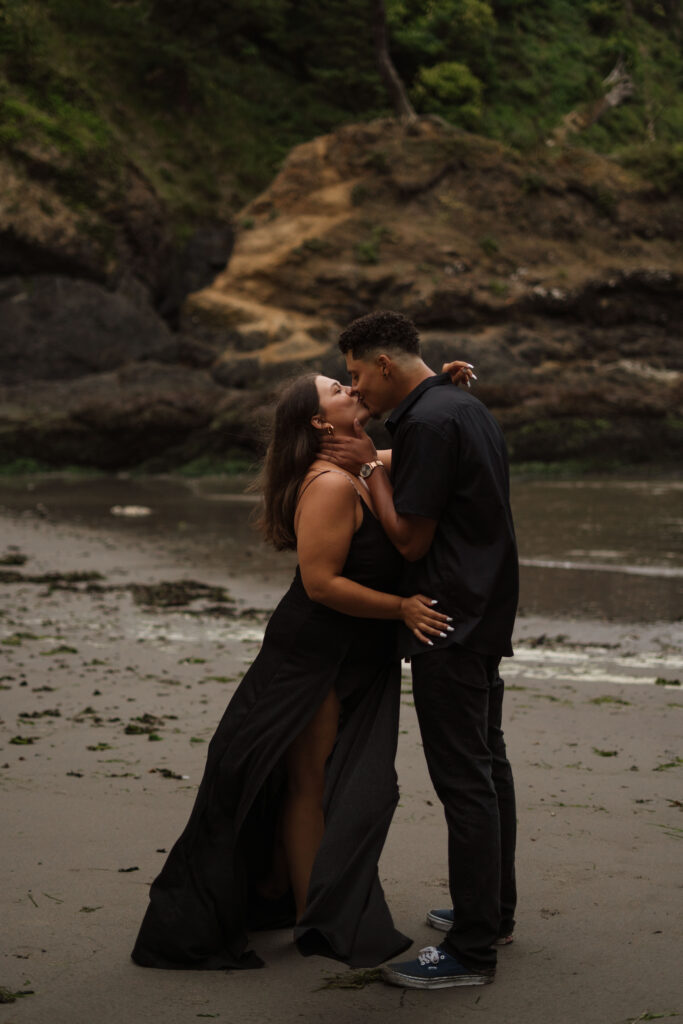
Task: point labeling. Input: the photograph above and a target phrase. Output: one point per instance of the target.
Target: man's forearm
(382, 493)
(412, 542)
(411, 535)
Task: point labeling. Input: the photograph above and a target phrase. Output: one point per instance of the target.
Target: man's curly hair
(386, 331)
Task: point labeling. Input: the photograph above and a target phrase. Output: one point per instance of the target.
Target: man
(446, 508)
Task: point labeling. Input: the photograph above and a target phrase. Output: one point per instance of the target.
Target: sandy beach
(107, 704)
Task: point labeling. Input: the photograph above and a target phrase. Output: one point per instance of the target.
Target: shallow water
(609, 549)
(602, 549)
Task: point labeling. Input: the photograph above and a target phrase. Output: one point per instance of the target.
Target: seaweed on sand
(352, 979)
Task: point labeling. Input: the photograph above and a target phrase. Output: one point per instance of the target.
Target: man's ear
(383, 361)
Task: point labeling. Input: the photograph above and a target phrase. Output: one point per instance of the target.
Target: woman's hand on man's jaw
(349, 452)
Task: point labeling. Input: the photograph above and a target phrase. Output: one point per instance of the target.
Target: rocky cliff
(560, 277)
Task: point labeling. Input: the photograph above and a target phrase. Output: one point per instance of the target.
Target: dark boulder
(110, 420)
(54, 327)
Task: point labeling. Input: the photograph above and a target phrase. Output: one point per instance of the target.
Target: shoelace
(428, 955)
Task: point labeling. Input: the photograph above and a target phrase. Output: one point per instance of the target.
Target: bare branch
(397, 93)
(621, 88)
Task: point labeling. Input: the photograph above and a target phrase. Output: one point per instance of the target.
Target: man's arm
(384, 455)
(411, 535)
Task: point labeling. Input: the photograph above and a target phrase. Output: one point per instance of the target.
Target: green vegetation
(570, 437)
(20, 467)
(12, 641)
(609, 700)
(8, 996)
(33, 467)
(359, 194)
(214, 465)
(571, 469)
(660, 162)
(369, 249)
(489, 245)
(649, 1015)
(318, 246)
(204, 99)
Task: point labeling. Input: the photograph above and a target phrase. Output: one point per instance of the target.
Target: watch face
(365, 470)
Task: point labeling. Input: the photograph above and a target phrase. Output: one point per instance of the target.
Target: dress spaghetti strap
(322, 473)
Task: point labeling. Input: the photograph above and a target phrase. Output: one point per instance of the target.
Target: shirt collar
(412, 397)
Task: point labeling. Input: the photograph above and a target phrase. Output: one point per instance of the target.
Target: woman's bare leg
(303, 821)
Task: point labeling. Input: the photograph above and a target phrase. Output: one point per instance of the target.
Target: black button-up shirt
(449, 463)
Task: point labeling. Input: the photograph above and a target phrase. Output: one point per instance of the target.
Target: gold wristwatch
(367, 468)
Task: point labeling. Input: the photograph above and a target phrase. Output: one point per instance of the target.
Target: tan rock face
(380, 214)
(303, 207)
(558, 274)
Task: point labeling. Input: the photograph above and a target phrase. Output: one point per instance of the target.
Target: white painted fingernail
(449, 628)
(474, 377)
(434, 601)
(442, 634)
(449, 618)
(430, 643)
(471, 365)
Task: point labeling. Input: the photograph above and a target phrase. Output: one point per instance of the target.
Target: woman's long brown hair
(294, 444)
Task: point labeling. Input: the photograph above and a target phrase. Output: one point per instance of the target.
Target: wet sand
(107, 706)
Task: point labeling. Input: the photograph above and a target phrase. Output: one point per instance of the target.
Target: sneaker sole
(438, 922)
(407, 981)
(445, 926)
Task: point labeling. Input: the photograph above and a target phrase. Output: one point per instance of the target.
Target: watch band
(367, 468)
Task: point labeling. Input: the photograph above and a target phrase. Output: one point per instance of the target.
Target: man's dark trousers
(459, 699)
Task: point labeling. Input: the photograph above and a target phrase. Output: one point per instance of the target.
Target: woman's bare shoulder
(323, 488)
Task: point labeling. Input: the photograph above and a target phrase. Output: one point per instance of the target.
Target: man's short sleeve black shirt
(449, 463)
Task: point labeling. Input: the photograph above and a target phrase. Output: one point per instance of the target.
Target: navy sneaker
(434, 968)
(442, 920)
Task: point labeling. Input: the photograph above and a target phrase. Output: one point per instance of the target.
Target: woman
(299, 786)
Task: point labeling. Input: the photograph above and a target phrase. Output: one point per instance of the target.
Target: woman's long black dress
(203, 902)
